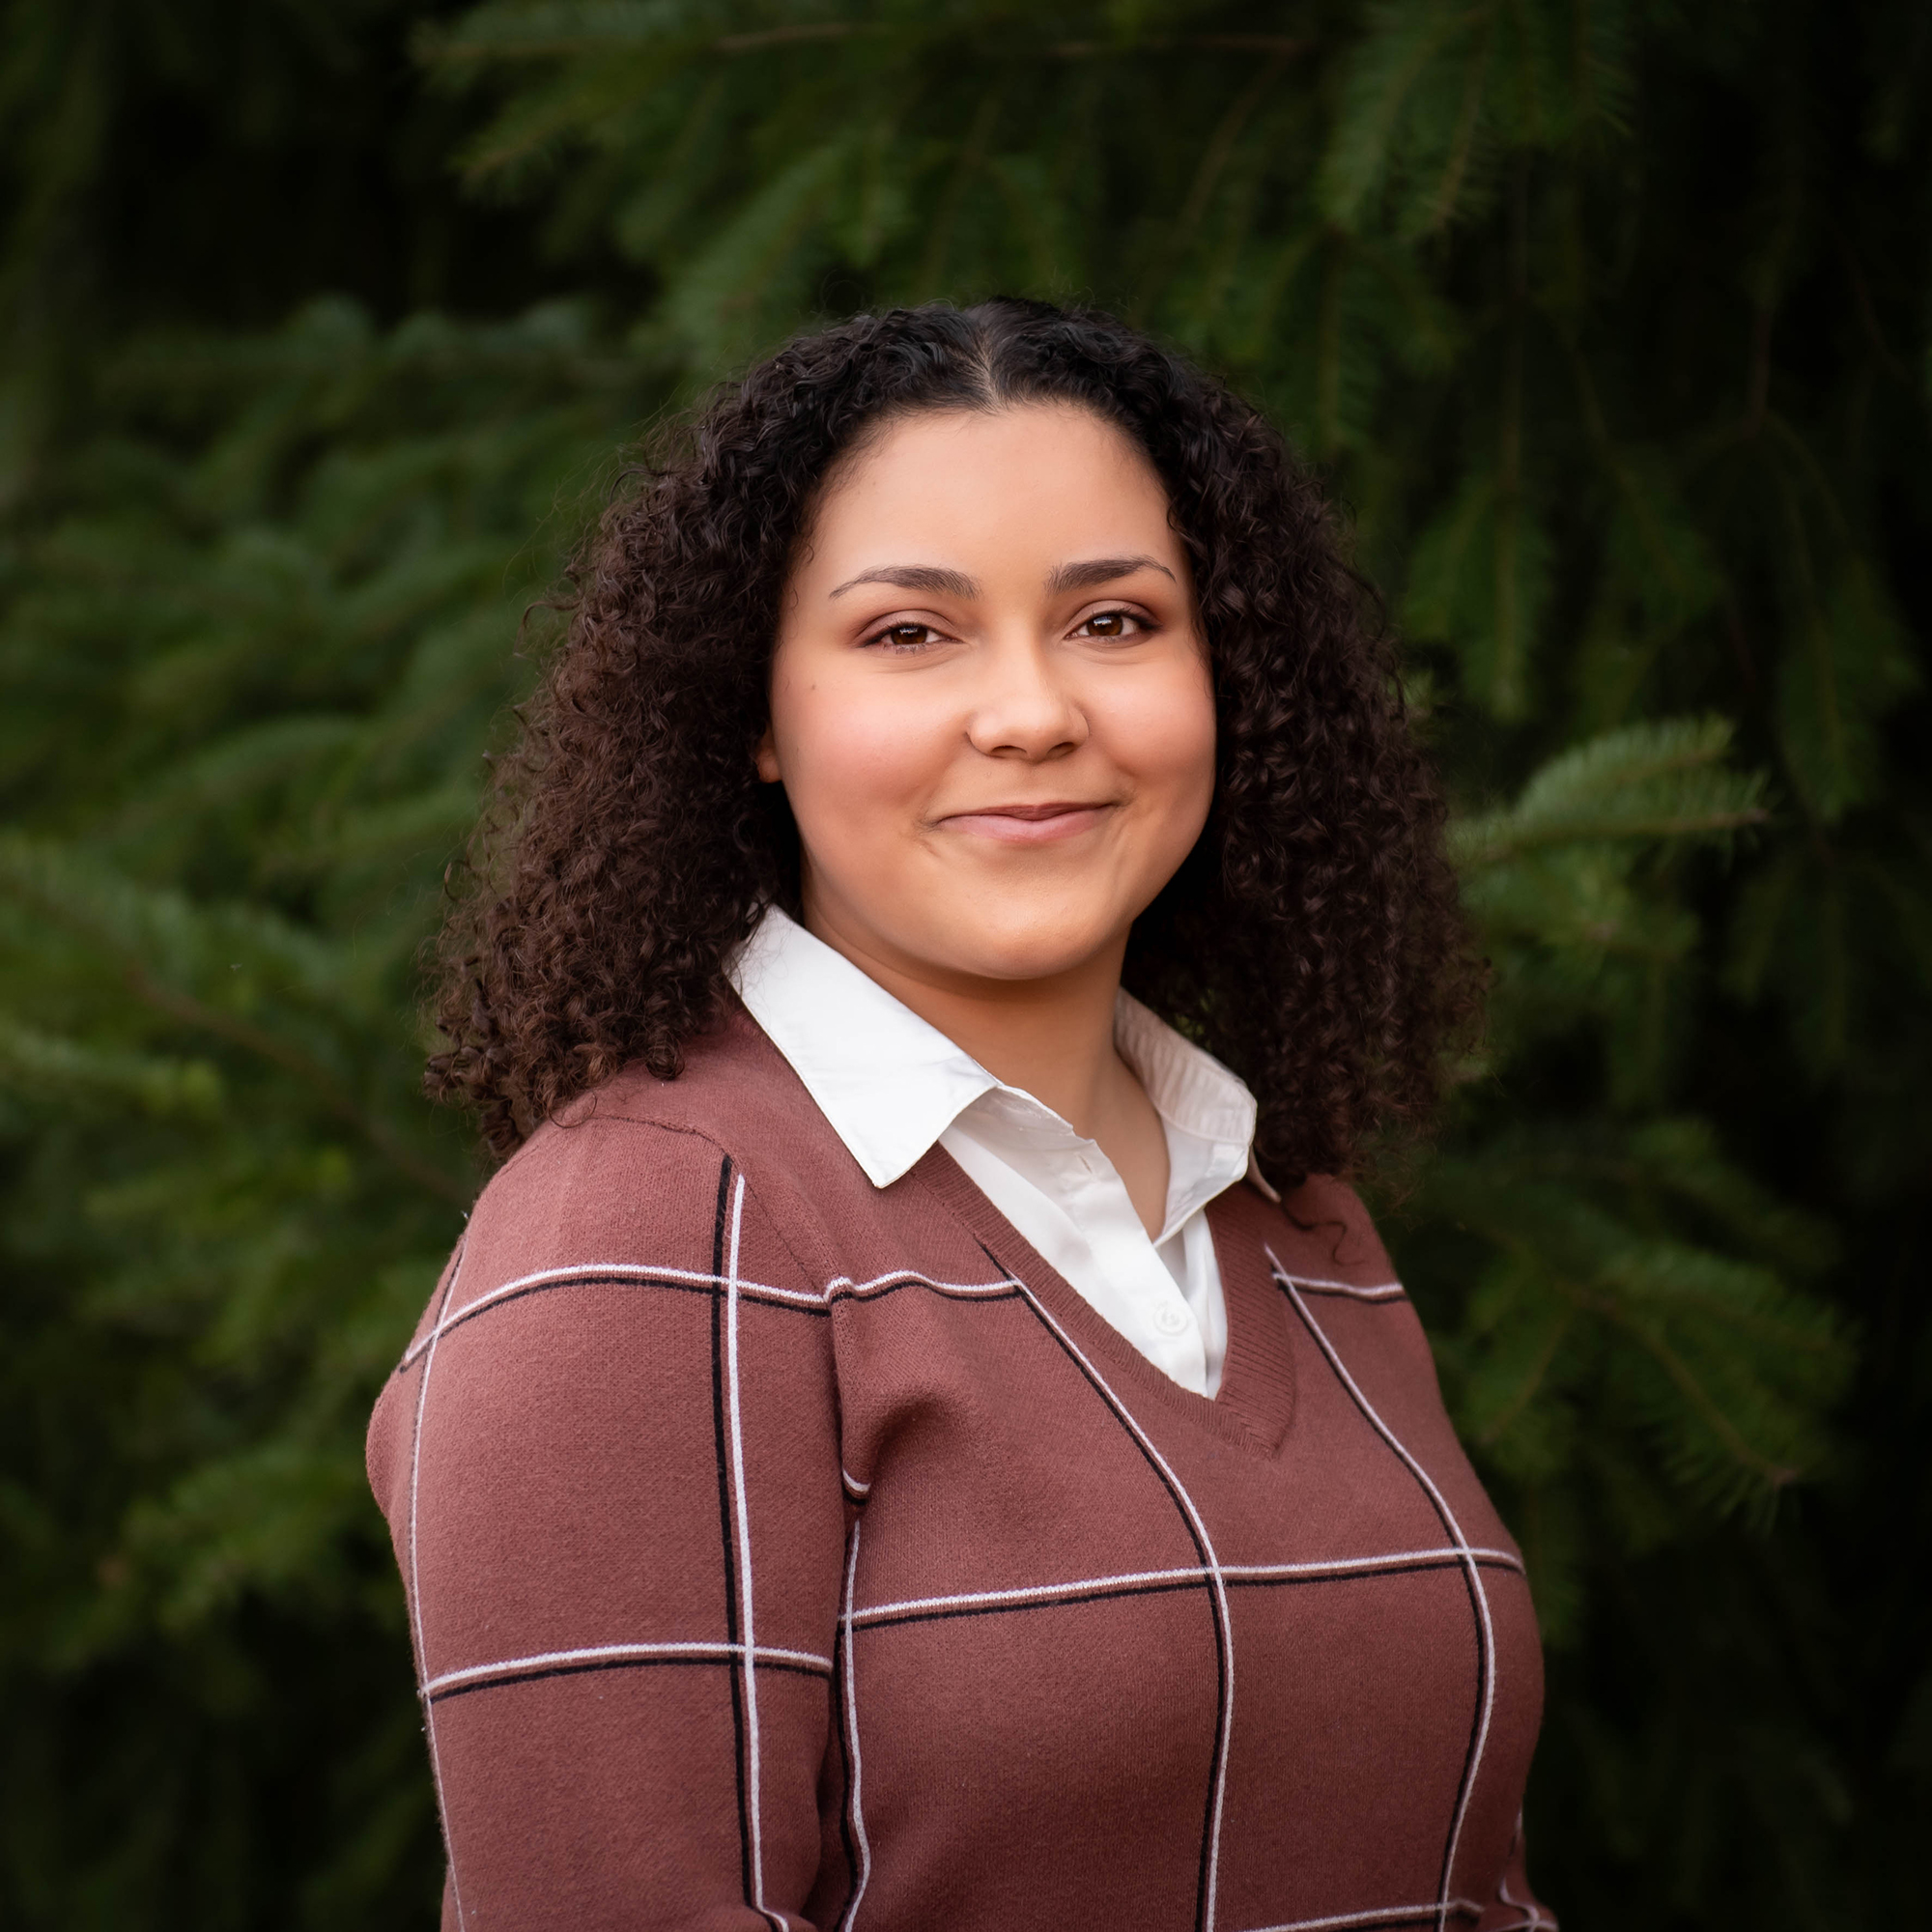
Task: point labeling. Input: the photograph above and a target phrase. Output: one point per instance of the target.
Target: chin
(994, 949)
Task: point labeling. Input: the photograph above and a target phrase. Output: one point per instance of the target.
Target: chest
(1281, 1636)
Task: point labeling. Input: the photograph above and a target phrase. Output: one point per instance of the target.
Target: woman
(908, 1437)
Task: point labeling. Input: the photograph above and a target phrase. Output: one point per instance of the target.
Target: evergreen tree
(1609, 321)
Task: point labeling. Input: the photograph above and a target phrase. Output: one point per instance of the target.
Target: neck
(1052, 1037)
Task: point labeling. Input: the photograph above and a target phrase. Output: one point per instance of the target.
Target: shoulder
(1326, 1238)
(638, 1168)
(601, 1188)
(593, 1267)
(1347, 1297)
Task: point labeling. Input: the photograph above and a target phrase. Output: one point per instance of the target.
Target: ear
(766, 757)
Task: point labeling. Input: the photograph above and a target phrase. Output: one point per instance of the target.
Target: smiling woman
(920, 1431)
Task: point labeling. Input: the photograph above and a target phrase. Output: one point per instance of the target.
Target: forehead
(1038, 481)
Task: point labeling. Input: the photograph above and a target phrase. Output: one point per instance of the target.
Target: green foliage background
(325, 323)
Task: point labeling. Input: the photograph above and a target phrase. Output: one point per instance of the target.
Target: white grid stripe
(1472, 1568)
(1342, 1566)
(1388, 1915)
(1539, 1920)
(750, 1648)
(607, 1271)
(618, 1653)
(1213, 1565)
(851, 1913)
(1385, 1290)
(843, 1288)
(1043, 1593)
(747, 1653)
(840, 1289)
(416, 1590)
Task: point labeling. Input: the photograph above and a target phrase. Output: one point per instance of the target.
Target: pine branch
(334, 1095)
(1646, 782)
(112, 915)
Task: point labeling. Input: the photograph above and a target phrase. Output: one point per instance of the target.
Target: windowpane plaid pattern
(786, 1552)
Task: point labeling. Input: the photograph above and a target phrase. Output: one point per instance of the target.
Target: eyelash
(883, 636)
(1144, 626)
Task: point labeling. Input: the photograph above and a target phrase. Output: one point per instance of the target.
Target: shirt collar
(1208, 1112)
(890, 1084)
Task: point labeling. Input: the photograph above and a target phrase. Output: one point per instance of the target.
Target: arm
(611, 1468)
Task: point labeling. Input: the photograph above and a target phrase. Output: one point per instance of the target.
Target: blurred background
(323, 327)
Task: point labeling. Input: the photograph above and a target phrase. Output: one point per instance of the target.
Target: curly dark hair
(1312, 940)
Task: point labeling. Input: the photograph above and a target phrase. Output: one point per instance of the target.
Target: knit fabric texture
(786, 1552)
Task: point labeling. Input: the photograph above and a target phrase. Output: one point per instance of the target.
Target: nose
(1024, 708)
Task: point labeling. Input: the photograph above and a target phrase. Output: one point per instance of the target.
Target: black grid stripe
(725, 1519)
(1003, 1290)
(845, 1780)
(837, 1667)
(846, 1709)
(1390, 1919)
(512, 1676)
(615, 1277)
(1155, 1586)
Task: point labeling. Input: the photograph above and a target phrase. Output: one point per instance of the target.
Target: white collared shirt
(891, 1086)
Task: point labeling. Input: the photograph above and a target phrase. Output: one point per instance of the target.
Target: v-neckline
(1255, 1404)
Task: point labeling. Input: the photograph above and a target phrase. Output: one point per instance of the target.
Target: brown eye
(1111, 624)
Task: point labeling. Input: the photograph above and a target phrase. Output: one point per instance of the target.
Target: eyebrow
(1101, 570)
(914, 577)
(1082, 576)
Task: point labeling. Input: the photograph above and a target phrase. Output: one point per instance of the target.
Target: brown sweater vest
(785, 1552)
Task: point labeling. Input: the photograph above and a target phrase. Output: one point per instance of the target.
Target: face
(991, 705)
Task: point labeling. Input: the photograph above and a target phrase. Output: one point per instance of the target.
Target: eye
(906, 636)
(1113, 624)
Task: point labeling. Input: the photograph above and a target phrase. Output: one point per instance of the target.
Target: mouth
(1029, 824)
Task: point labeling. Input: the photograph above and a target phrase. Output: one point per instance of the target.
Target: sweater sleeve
(611, 1468)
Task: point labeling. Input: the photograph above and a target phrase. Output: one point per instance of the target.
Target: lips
(1029, 824)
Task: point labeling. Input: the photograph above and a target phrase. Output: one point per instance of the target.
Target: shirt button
(1171, 1318)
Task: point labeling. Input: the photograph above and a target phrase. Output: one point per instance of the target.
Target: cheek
(852, 755)
(1163, 734)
